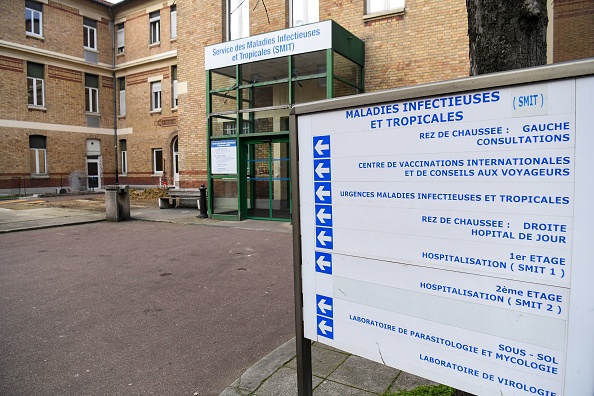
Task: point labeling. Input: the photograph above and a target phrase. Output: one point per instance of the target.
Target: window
(37, 154)
(120, 38)
(229, 128)
(239, 19)
(305, 11)
(124, 156)
(158, 161)
(174, 86)
(173, 15)
(35, 84)
(378, 6)
(154, 27)
(122, 85)
(90, 34)
(33, 18)
(91, 93)
(156, 96)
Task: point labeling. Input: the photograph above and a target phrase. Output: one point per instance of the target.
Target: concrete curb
(254, 376)
(53, 225)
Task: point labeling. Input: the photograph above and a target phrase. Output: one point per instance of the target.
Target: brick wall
(573, 24)
(136, 28)
(427, 43)
(62, 28)
(198, 26)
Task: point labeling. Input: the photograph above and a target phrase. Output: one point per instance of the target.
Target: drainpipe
(115, 107)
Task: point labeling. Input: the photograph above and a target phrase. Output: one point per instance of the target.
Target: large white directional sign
(452, 236)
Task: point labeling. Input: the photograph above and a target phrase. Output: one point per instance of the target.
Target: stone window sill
(37, 108)
(383, 14)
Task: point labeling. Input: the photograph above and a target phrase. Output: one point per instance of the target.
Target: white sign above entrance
(298, 40)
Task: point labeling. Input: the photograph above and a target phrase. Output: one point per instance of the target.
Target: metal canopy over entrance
(252, 84)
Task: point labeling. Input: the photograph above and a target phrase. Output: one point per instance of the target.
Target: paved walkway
(335, 372)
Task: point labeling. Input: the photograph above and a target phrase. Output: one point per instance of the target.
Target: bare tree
(506, 34)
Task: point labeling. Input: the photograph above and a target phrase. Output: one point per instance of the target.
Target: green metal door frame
(245, 151)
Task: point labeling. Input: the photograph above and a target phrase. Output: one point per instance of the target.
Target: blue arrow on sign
(324, 238)
(322, 170)
(325, 327)
(324, 215)
(321, 146)
(324, 306)
(324, 263)
(323, 192)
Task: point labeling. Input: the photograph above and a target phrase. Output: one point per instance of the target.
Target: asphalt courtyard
(140, 308)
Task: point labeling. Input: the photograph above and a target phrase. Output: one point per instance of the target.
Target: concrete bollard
(117, 203)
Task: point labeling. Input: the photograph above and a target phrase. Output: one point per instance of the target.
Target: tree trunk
(506, 34)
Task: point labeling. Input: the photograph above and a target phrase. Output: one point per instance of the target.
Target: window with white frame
(305, 11)
(89, 34)
(229, 127)
(154, 27)
(124, 156)
(121, 38)
(173, 17)
(158, 161)
(33, 18)
(239, 19)
(156, 96)
(122, 89)
(174, 86)
(91, 93)
(384, 6)
(35, 84)
(38, 154)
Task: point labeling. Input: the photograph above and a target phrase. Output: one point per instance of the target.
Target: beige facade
(78, 75)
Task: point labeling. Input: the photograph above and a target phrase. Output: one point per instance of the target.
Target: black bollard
(203, 208)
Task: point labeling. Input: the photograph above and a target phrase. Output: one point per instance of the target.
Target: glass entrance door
(93, 180)
(268, 189)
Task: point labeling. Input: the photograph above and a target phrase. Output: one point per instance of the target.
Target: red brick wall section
(573, 25)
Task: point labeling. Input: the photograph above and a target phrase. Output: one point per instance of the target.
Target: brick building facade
(88, 87)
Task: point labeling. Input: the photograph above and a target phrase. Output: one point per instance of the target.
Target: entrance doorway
(93, 179)
(93, 164)
(268, 188)
(175, 163)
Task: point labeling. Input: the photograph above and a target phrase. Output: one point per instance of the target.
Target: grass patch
(439, 390)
